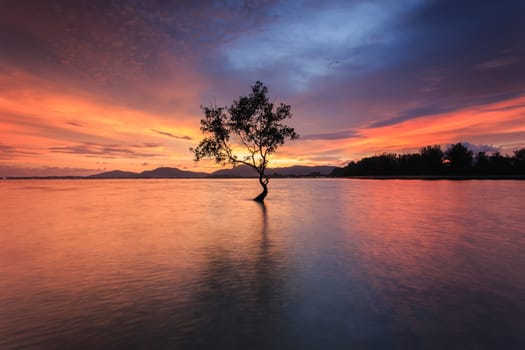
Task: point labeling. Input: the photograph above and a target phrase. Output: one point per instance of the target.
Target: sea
(323, 264)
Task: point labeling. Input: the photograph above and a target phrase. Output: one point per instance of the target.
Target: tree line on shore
(457, 159)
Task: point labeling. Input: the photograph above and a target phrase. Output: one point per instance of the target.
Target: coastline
(361, 177)
(437, 177)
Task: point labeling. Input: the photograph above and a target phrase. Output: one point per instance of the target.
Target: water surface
(334, 264)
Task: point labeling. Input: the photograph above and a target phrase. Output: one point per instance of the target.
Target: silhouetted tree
(482, 165)
(252, 123)
(459, 157)
(430, 162)
(500, 164)
(409, 164)
(431, 159)
(519, 161)
(519, 154)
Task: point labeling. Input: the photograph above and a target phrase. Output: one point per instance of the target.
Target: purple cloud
(332, 136)
(165, 133)
(92, 149)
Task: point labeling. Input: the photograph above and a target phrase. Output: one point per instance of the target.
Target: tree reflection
(238, 298)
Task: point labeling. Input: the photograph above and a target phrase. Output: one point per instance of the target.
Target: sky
(99, 85)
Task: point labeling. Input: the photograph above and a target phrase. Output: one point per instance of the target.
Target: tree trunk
(262, 195)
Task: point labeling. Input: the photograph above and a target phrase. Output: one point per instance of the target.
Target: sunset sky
(89, 86)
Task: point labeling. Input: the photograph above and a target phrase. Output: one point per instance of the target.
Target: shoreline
(437, 177)
(360, 177)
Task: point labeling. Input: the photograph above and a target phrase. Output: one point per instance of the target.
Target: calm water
(325, 264)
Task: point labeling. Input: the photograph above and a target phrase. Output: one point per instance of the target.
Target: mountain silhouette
(296, 170)
(166, 172)
(159, 173)
(115, 174)
(239, 171)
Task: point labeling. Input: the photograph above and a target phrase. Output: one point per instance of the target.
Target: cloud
(378, 73)
(498, 62)
(506, 108)
(165, 133)
(305, 41)
(493, 124)
(429, 63)
(147, 145)
(326, 159)
(104, 150)
(34, 124)
(476, 148)
(332, 136)
(481, 148)
(449, 106)
(9, 152)
(412, 114)
(19, 171)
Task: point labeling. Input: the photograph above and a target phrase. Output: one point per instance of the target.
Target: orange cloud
(73, 129)
(43, 124)
(501, 124)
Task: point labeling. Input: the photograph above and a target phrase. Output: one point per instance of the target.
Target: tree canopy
(459, 157)
(247, 132)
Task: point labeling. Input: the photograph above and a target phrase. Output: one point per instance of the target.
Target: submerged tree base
(259, 198)
(262, 195)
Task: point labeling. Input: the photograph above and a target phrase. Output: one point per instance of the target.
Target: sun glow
(43, 126)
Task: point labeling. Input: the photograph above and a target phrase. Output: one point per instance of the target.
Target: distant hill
(301, 170)
(297, 170)
(239, 171)
(159, 173)
(166, 172)
(115, 174)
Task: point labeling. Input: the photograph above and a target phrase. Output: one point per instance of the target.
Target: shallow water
(333, 264)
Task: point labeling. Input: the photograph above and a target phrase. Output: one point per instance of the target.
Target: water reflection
(238, 296)
(324, 264)
(119, 277)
